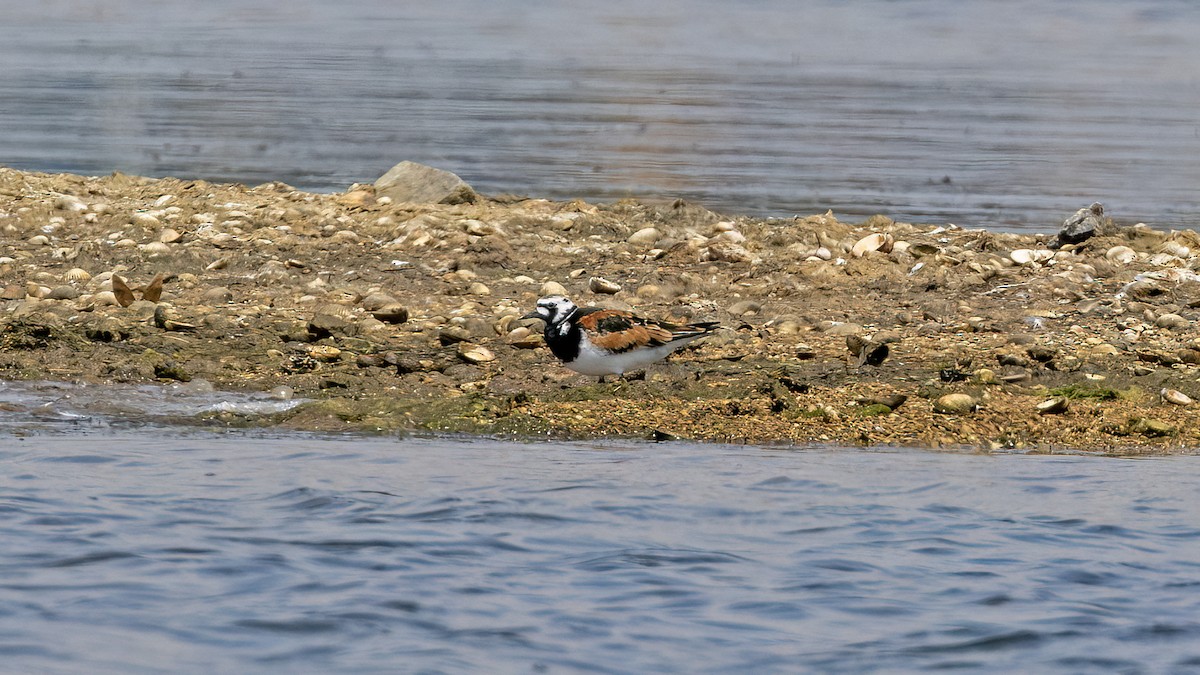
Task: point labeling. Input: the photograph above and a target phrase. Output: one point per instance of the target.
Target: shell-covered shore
(396, 315)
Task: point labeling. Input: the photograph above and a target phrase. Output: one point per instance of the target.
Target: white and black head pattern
(554, 310)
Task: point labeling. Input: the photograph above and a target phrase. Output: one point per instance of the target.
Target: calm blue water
(159, 551)
(1008, 115)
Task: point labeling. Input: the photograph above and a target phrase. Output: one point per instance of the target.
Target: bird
(599, 342)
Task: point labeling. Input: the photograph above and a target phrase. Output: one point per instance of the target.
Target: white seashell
(1120, 255)
(1022, 256)
(1176, 249)
(1165, 260)
(474, 353)
(333, 309)
(76, 275)
(1175, 397)
(143, 219)
(1028, 256)
(155, 248)
(879, 241)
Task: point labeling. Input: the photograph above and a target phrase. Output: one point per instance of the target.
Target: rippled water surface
(1008, 115)
(157, 551)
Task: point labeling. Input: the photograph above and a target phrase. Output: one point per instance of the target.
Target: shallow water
(159, 551)
(1007, 115)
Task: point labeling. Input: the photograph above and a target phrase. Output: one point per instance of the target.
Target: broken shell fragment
(879, 241)
(602, 285)
(121, 291)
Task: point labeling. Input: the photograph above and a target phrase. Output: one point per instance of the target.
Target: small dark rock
(1040, 353)
(170, 370)
(1080, 227)
(326, 325)
(660, 436)
(1012, 360)
(952, 375)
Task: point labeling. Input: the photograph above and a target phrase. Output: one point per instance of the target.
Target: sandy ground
(396, 315)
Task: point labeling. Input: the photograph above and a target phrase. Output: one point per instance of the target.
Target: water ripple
(487, 556)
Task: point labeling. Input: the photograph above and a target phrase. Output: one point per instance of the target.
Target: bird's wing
(619, 331)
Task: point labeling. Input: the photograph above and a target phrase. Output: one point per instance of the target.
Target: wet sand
(405, 316)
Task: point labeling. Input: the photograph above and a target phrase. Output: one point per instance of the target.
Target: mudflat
(394, 315)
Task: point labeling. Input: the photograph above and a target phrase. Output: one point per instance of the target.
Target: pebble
(392, 312)
(69, 203)
(955, 403)
(63, 293)
(478, 288)
(326, 353)
(839, 328)
(552, 288)
(1171, 321)
(745, 308)
(218, 295)
(646, 236)
(726, 251)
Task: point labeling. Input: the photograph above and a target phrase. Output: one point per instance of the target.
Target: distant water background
(1008, 115)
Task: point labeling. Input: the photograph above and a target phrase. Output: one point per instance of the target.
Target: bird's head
(553, 310)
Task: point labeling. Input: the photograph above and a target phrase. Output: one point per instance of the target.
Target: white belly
(598, 362)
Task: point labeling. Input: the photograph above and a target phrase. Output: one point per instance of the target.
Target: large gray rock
(412, 182)
(1081, 226)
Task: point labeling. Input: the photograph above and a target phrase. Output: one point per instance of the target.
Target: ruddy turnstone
(598, 341)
